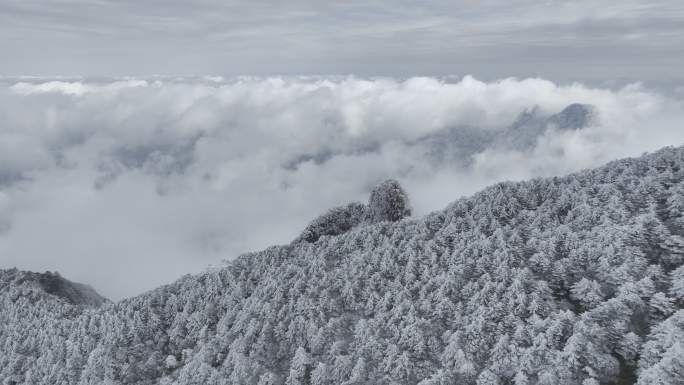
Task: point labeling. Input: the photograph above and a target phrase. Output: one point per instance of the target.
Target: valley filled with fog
(129, 183)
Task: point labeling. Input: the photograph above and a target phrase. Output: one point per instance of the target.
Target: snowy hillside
(565, 280)
(40, 284)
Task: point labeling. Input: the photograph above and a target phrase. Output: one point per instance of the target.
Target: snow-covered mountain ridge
(566, 280)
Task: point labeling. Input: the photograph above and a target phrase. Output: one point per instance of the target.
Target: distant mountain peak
(531, 124)
(573, 117)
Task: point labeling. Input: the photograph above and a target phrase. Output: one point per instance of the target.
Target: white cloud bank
(128, 184)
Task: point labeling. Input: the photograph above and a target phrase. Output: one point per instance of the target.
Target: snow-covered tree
(388, 202)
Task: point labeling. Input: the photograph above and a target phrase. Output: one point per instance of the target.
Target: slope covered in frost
(566, 280)
(54, 284)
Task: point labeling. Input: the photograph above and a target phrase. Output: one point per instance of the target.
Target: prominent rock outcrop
(531, 124)
(573, 117)
(388, 202)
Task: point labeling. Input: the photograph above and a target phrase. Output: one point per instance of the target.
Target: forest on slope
(565, 280)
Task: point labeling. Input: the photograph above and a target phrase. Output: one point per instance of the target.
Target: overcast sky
(559, 40)
(141, 140)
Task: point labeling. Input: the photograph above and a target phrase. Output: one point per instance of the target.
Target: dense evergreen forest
(565, 280)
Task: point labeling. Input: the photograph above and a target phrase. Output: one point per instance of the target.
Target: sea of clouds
(129, 183)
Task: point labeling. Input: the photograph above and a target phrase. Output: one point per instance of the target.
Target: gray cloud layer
(129, 183)
(579, 40)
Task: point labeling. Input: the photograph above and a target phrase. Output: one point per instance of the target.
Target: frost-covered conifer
(300, 372)
(587, 292)
(388, 202)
